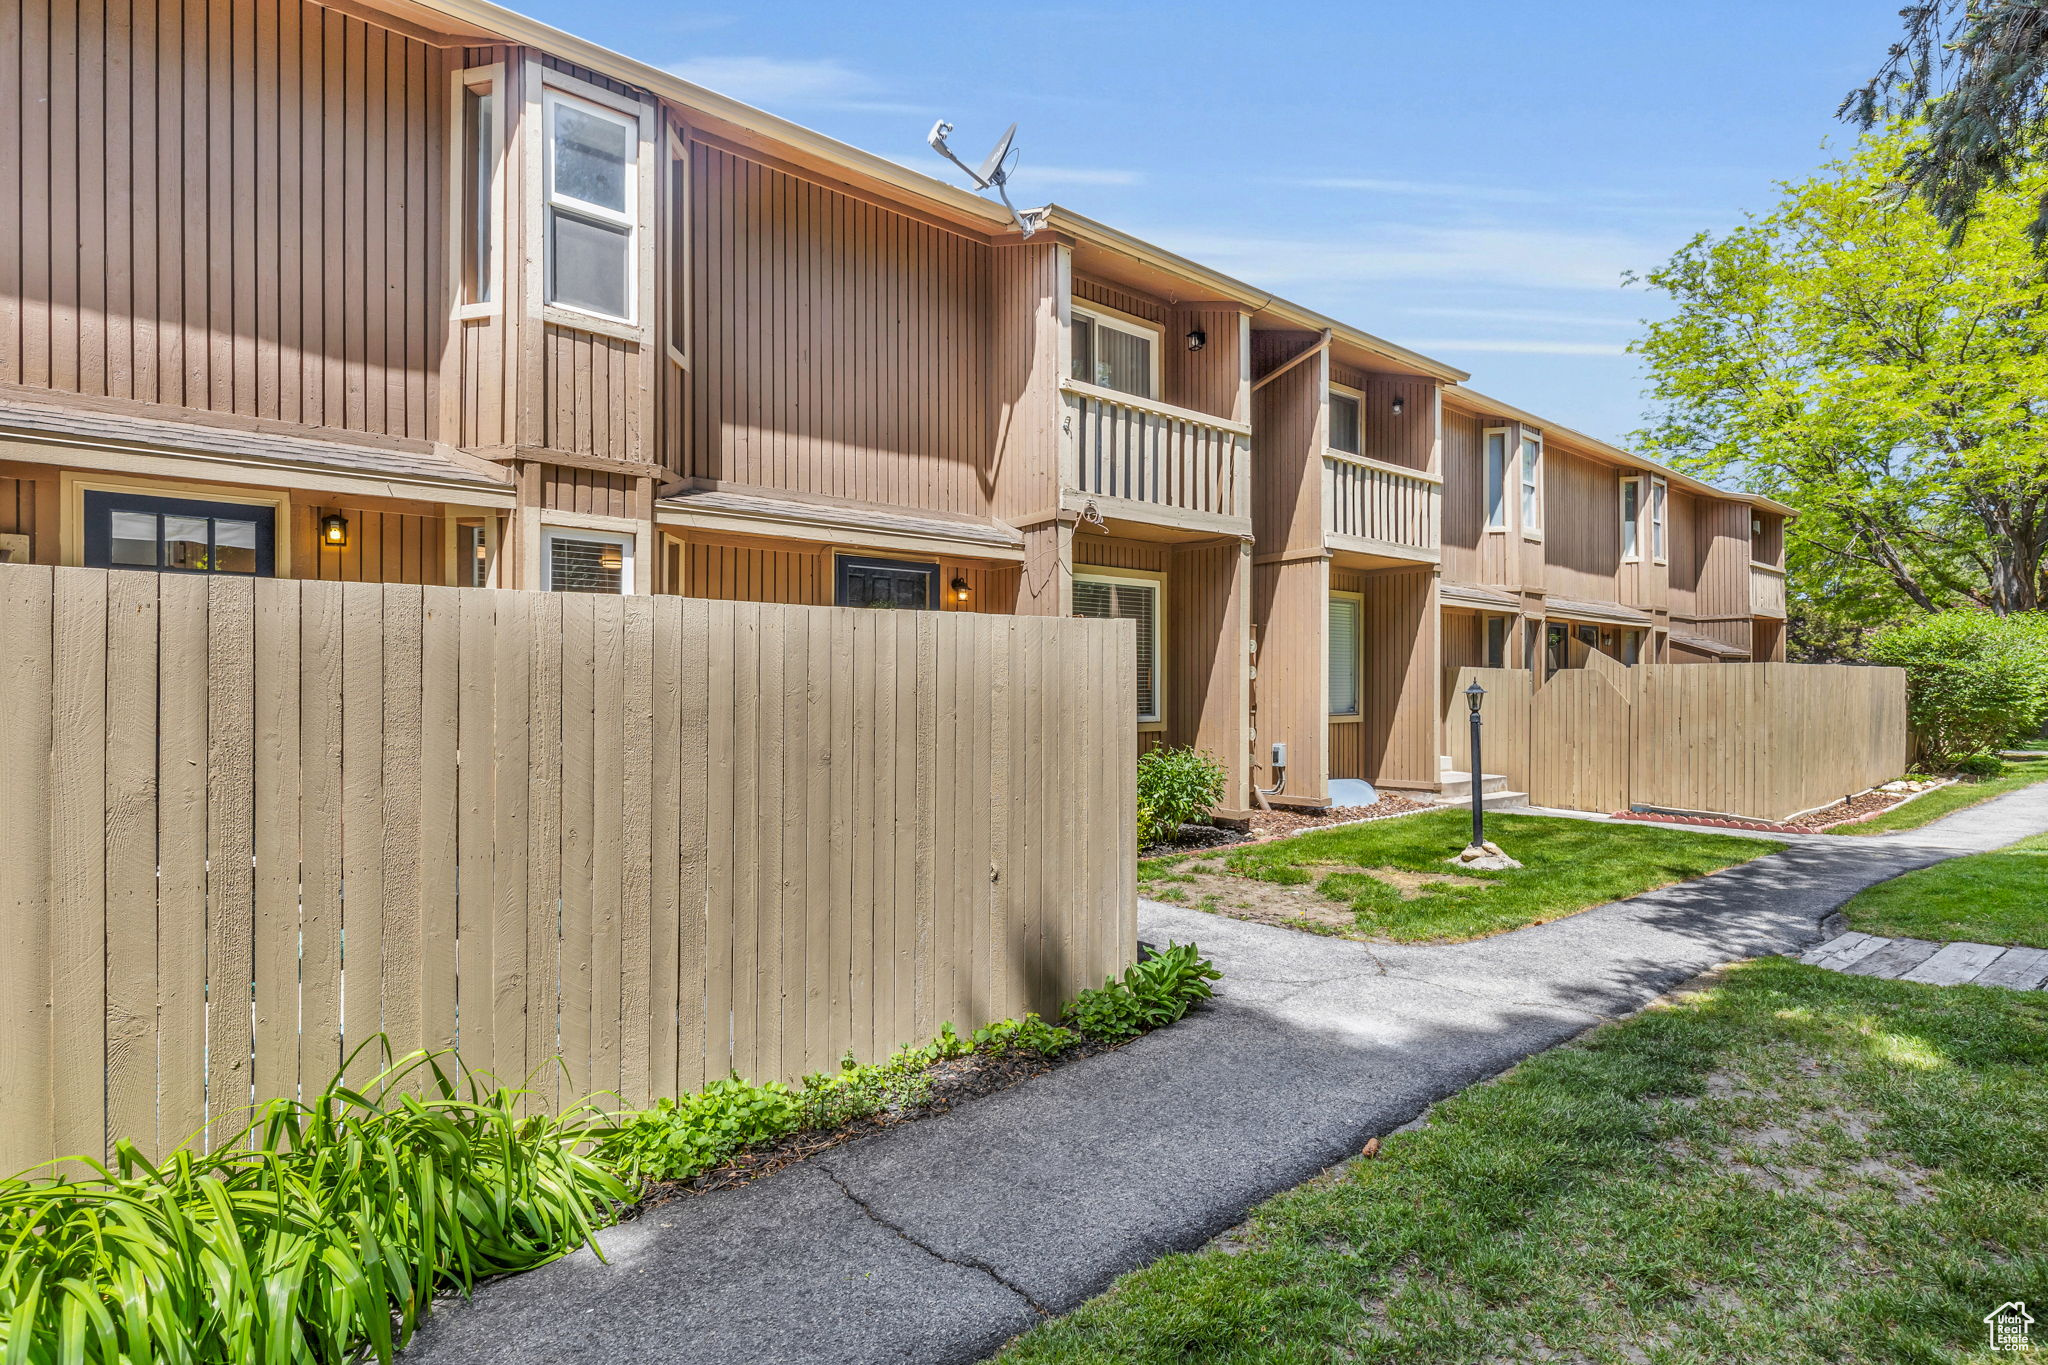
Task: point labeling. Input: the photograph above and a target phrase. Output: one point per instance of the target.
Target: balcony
(1386, 513)
(1153, 464)
(1766, 591)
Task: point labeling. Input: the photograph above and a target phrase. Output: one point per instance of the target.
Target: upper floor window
(592, 158)
(1128, 599)
(477, 111)
(1658, 492)
(1631, 518)
(1344, 422)
(1114, 354)
(178, 535)
(1496, 478)
(1532, 487)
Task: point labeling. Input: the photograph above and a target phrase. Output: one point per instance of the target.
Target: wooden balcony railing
(1766, 590)
(1393, 507)
(1149, 453)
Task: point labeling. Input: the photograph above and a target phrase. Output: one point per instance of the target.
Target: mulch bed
(1847, 811)
(1278, 824)
(954, 1080)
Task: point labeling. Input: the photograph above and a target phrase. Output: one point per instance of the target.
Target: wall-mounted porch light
(959, 587)
(1197, 339)
(334, 530)
(1399, 403)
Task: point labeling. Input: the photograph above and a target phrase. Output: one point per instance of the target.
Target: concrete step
(1498, 798)
(1457, 786)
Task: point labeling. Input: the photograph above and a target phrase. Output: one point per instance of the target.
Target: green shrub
(322, 1231)
(832, 1099)
(1029, 1034)
(680, 1138)
(1973, 680)
(1981, 765)
(1151, 994)
(1175, 787)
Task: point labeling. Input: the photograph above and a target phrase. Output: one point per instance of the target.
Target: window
(1589, 636)
(473, 555)
(1553, 649)
(1496, 479)
(178, 535)
(1344, 422)
(1631, 647)
(1118, 355)
(592, 160)
(1497, 641)
(1128, 599)
(1631, 519)
(1532, 503)
(887, 583)
(1657, 494)
(586, 561)
(678, 252)
(479, 130)
(1345, 611)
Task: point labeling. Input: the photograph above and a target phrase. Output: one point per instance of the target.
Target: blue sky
(1470, 179)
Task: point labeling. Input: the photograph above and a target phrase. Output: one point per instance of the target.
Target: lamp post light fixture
(334, 530)
(1475, 696)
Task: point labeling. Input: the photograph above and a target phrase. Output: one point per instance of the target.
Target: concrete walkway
(1933, 964)
(938, 1241)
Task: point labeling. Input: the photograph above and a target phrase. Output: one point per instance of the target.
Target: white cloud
(1518, 346)
(776, 82)
(1524, 257)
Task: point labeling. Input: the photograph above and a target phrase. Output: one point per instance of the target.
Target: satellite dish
(993, 174)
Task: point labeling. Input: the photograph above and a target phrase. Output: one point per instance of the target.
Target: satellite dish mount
(993, 173)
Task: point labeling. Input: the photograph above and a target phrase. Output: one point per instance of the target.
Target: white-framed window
(1659, 491)
(1496, 478)
(591, 171)
(1531, 465)
(1111, 597)
(576, 560)
(1631, 518)
(677, 249)
(480, 145)
(1345, 408)
(1111, 352)
(1347, 657)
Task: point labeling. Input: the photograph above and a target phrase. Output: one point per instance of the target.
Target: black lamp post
(1474, 695)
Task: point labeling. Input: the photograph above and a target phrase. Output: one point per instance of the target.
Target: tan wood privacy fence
(249, 823)
(1759, 740)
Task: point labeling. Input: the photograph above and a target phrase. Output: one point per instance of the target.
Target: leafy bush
(679, 1138)
(1981, 765)
(1973, 680)
(1152, 993)
(1175, 787)
(323, 1230)
(1029, 1034)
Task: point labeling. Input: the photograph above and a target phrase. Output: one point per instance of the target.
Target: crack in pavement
(926, 1248)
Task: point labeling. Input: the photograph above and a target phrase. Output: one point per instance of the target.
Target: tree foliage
(1843, 354)
(1975, 72)
(1973, 681)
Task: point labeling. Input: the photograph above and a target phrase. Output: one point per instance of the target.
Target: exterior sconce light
(959, 587)
(334, 530)
(1197, 339)
(611, 557)
(1399, 403)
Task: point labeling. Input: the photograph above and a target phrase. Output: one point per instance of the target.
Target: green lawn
(1948, 800)
(1388, 879)
(1996, 897)
(1795, 1166)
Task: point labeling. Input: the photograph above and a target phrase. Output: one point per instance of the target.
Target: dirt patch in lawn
(1205, 884)
(1276, 824)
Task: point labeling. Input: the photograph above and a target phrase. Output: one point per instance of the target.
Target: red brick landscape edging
(1712, 822)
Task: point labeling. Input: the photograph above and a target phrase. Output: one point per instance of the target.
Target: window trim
(677, 296)
(934, 593)
(1346, 717)
(626, 540)
(1100, 316)
(492, 79)
(454, 522)
(1334, 390)
(162, 505)
(75, 484)
(1660, 519)
(552, 98)
(1143, 578)
(1529, 483)
(1486, 480)
(1631, 549)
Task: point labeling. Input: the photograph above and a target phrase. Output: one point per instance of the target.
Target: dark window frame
(101, 504)
(846, 565)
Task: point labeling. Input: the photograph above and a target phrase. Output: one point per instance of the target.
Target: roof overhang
(1702, 644)
(1482, 599)
(1605, 613)
(723, 512)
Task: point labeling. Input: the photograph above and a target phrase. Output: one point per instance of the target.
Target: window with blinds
(1344, 655)
(1124, 599)
(1111, 355)
(1344, 423)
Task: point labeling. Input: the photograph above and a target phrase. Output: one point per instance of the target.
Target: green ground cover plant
(1794, 1166)
(1995, 897)
(1968, 792)
(1387, 879)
